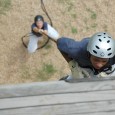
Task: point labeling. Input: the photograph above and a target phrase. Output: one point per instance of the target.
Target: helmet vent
(108, 49)
(104, 33)
(94, 51)
(104, 37)
(109, 54)
(108, 41)
(109, 36)
(100, 40)
(97, 47)
(99, 35)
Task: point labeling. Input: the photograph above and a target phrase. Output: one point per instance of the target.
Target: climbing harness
(29, 34)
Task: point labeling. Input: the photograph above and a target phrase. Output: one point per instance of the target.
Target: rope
(44, 9)
(28, 34)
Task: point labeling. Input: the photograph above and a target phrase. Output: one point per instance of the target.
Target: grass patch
(93, 15)
(68, 3)
(4, 6)
(45, 73)
(49, 69)
(94, 25)
(74, 16)
(48, 46)
(74, 30)
(87, 28)
(70, 6)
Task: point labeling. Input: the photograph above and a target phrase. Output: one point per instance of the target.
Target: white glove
(78, 72)
(41, 31)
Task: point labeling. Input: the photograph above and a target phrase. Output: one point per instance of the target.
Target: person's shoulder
(45, 23)
(33, 25)
(85, 39)
(65, 39)
(73, 42)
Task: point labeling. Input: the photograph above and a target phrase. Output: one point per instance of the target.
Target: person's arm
(45, 30)
(66, 57)
(35, 29)
(67, 48)
(41, 31)
(72, 49)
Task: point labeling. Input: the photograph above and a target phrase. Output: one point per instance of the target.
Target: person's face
(39, 24)
(97, 62)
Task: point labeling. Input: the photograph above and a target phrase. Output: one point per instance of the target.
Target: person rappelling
(38, 29)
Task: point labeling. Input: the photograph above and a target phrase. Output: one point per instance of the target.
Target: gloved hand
(41, 31)
(77, 71)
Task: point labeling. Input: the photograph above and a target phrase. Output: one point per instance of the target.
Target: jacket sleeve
(69, 46)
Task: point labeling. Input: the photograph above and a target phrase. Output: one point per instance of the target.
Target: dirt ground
(72, 18)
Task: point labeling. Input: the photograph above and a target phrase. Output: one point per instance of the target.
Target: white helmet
(101, 45)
